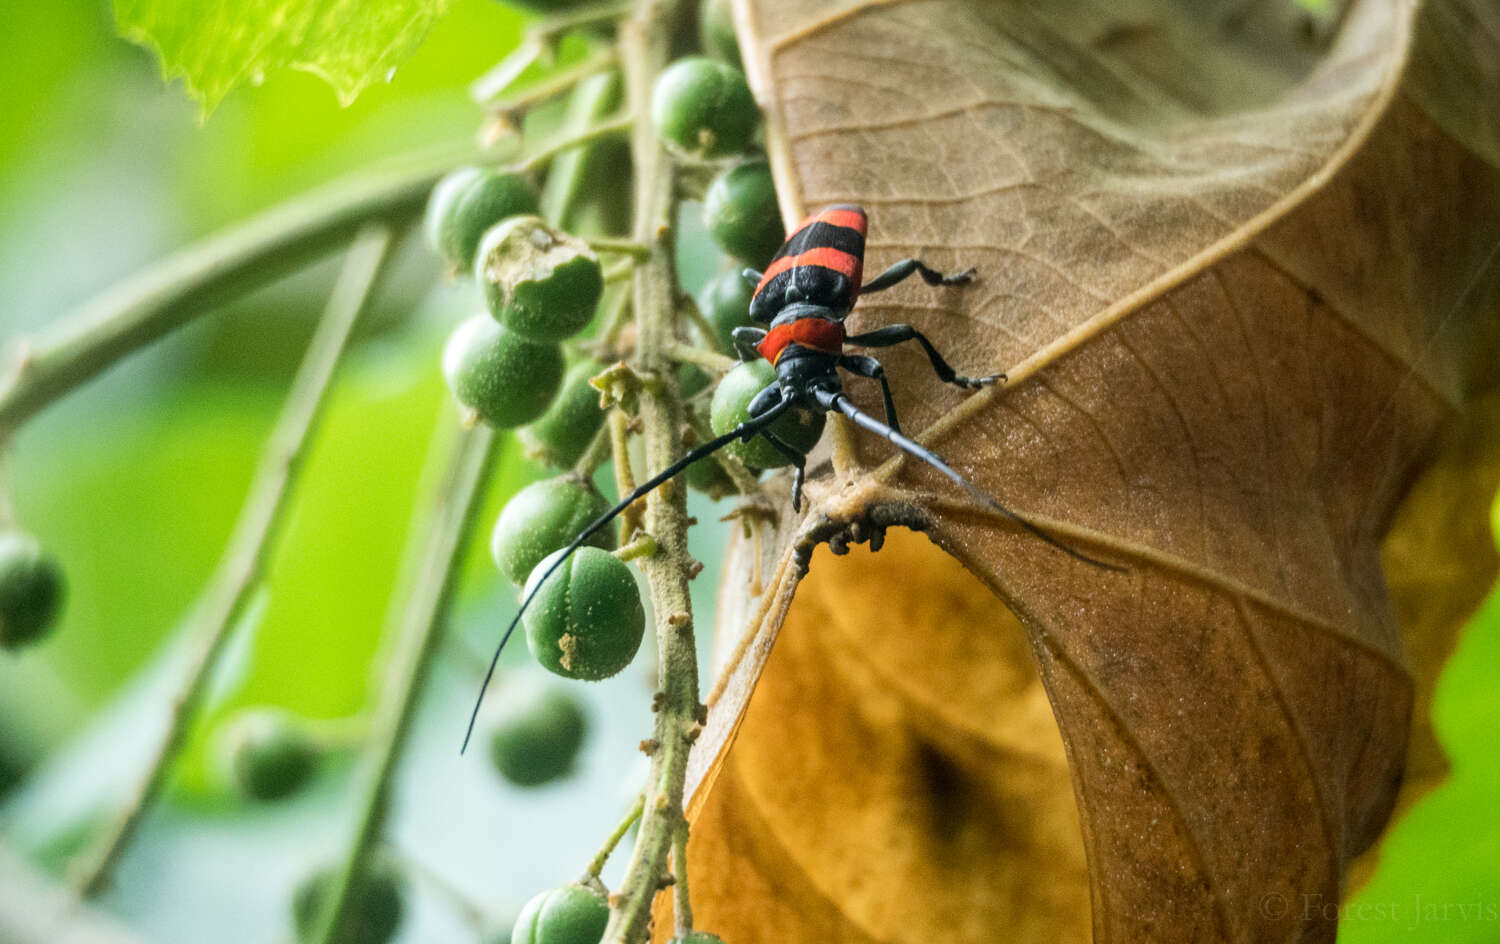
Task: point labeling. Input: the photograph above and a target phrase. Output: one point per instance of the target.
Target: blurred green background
(135, 481)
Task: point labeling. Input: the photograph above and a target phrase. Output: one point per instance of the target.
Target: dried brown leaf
(1245, 290)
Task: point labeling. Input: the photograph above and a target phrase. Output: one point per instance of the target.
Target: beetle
(802, 298)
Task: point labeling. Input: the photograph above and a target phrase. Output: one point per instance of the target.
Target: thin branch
(200, 278)
(559, 83)
(608, 128)
(554, 26)
(244, 560)
(712, 360)
(454, 485)
(619, 445)
(602, 856)
(623, 247)
(644, 50)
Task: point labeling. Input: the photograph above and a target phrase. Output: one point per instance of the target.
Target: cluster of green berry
(31, 590)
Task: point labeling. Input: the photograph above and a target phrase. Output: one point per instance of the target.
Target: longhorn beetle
(803, 297)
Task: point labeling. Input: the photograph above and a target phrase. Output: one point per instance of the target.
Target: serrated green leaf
(215, 45)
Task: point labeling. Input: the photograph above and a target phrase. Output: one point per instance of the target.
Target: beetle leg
(752, 276)
(907, 267)
(895, 334)
(870, 367)
(799, 462)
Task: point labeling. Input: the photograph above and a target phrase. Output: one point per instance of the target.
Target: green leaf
(215, 45)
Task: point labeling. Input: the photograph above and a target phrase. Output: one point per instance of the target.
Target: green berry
(707, 476)
(691, 380)
(586, 621)
(469, 201)
(572, 914)
(538, 736)
(725, 303)
(741, 214)
(696, 937)
(31, 590)
(543, 517)
(716, 30)
(703, 108)
(268, 754)
(376, 903)
(498, 375)
(799, 427)
(538, 281)
(564, 432)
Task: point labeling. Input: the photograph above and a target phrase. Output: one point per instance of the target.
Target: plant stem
(554, 26)
(644, 49)
(619, 445)
(618, 125)
(623, 247)
(595, 454)
(602, 856)
(557, 84)
(244, 560)
(196, 280)
(713, 360)
(455, 492)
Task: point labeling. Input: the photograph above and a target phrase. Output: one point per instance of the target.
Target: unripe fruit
(586, 621)
(31, 590)
(466, 203)
(572, 914)
(716, 30)
(376, 903)
(703, 108)
(707, 476)
(696, 937)
(538, 736)
(543, 517)
(268, 754)
(799, 427)
(741, 214)
(691, 380)
(538, 281)
(725, 303)
(564, 432)
(501, 377)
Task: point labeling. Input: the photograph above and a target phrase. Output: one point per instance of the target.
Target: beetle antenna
(744, 431)
(837, 402)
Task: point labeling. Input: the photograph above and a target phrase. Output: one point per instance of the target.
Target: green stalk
(241, 568)
(644, 51)
(454, 495)
(200, 278)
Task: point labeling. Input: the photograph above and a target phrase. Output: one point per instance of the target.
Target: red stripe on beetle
(818, 334)
(851, 219)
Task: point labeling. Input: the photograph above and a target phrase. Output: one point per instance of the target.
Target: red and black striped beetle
(803, 297)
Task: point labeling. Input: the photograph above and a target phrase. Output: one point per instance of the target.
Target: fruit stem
(619, 445)
(554, 26)
(712, 360)
(201, 278)
(453, 483)
(559, 83)
(623, 247)
(596, 865)
(595, 455)
(607, 128)
(644, 545)
(241, 568)
(644, 41)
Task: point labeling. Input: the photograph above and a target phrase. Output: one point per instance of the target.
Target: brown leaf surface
(1244, 291)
